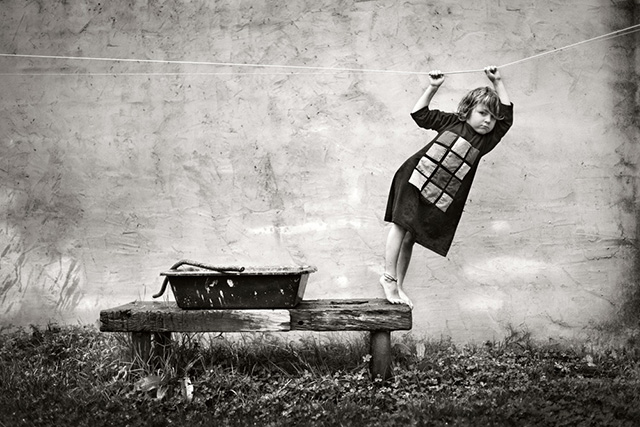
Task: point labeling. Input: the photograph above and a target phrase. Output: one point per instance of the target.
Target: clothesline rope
(230, 73)
(327, 70)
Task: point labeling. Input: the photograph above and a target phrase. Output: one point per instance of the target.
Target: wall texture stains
(112, 174)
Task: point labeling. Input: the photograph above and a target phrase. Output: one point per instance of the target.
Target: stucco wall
(109, 178)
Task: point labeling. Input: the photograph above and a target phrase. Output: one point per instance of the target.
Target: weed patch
(77, 376)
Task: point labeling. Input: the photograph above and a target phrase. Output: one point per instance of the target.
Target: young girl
(430, 189)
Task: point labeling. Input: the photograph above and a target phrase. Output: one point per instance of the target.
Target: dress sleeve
(433, 119)
(501, 128)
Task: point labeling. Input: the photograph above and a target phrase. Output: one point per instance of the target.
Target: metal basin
(253, 287)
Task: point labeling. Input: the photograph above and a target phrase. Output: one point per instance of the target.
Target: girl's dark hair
(482, 95)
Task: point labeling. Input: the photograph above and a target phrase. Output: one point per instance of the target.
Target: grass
(77, 376)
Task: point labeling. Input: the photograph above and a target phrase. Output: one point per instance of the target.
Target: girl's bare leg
(404, 258)
(389, 280)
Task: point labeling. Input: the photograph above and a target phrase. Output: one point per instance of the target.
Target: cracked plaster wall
(110, 178)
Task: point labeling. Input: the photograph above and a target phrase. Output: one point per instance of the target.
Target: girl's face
(481, 120)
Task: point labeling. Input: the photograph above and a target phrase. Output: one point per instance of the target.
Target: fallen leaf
(187, 389)
(148, 383)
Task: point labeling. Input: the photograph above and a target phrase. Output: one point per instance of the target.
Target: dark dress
(430, 189)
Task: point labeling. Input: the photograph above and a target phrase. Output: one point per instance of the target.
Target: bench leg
(146, 351)
(380, 364)
(141, 348)
(161, 347)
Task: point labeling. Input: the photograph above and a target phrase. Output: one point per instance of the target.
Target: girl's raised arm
(436, 78)
(494, 75)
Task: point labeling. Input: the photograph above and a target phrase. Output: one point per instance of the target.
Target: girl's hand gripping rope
(436, 78)
(492, 73)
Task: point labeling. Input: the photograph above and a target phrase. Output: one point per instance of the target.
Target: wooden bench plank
(152, 316)
(350, 315)
(312, 315)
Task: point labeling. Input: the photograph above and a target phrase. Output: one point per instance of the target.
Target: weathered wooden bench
(151, 323)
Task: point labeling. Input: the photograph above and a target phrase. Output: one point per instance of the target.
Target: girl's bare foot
(405, 298)
(390, 286)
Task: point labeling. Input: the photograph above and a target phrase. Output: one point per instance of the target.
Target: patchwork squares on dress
(454, 185)
(452, 162)
(472, 155)
(461, 147)
(447, 138)
(444, 202)
(426, 166)
(437, 152)
(440, 172)
(441, 177)
(431, 192)
(417, 179)
(462, 172)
